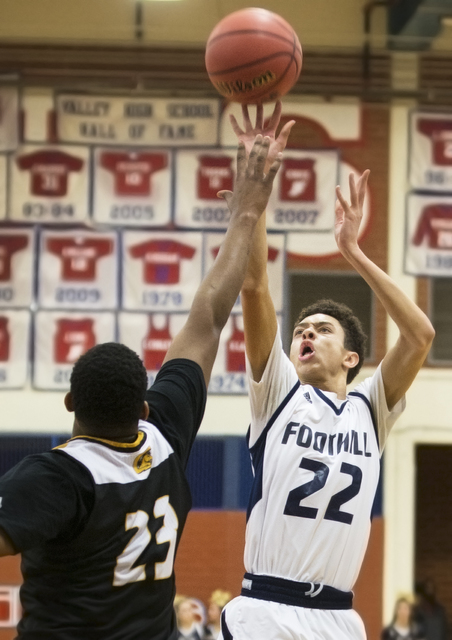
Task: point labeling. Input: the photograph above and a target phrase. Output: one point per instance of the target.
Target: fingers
(241, 157)
(342, 201)
(246, 118)
(285, 132)
(275, 117)
(225, 194)
(362, 187)
(258, 155)
(235, 126)
(274, 169)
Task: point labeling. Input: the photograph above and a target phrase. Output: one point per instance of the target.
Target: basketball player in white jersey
(315, 450)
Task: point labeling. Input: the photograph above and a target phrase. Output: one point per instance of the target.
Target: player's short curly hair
(355, 339)
(108, 387)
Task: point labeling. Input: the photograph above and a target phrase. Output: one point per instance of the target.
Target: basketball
(253, 56)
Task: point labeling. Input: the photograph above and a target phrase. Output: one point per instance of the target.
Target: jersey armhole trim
(369, 406)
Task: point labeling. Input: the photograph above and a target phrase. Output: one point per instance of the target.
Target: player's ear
(351, 359)
(68, 402)
(144, 411)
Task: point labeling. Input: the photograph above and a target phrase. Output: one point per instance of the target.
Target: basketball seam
(248, 31)
(252, 63)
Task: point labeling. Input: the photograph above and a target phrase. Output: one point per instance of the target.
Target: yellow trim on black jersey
(112, 444)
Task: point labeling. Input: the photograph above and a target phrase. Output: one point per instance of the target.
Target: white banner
(275, 264)
(61, 338)
(9, 118)
(78, 270)
(199, 176)
(17, 267)
(132, 187)
(137, 121)
(428, 248)
(50, 184)
(3, 186)
(161, 270)
(431, 151)
(150, 335)
(14, 348)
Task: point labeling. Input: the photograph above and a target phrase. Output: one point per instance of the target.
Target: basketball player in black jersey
(98, 519)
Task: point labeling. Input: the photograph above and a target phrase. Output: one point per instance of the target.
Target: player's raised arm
(403, 361)
(198, 340)
(259, 314)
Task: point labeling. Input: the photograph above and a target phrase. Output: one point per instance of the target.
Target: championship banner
(199, 176)
(61, 338)
(9, 118)
(304, 196)
(150, 336)
(3, 186)
(161, 270)
(275, 264)
(50, 184)
(14, 348)
(132, 187)
(78, 270)
(112, 120)
(431, 151)
(228, 373)
(17, 267)
(428, 249)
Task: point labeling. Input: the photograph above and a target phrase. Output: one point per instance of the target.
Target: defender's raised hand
(350, 214)
(253, 185)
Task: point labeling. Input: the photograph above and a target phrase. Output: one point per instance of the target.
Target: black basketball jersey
(98, 522)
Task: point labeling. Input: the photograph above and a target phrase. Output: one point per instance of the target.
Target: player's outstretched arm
(259, 316)
(198, 340)
(403, 361)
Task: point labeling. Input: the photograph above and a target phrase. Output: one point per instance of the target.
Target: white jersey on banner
(316, 462)
(61, 338)
(17, 267)
(275, 264)
(132, 187)
(9, 118)
(3, 186)
(50, 184)
(428, 248)
(78, 270)
(161, 270)
(144, 121)
(150, 335)
(431, 151)
(15, 329)
(200, 174)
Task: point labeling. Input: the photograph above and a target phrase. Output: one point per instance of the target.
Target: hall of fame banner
(428, 242)
(17, 266)
(161, 271)
(116, 120)
(9, 118)
(15, 330)
(3, 186)
(78, 270)
(60, 338)
(275, 264)
(50, 184)
(150, 335)
(132, 187)
(430, 157)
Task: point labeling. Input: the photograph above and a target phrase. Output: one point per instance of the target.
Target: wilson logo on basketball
(143, 462)
(237, 87)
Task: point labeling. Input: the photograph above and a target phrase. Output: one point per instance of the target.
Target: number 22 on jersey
(125, 570)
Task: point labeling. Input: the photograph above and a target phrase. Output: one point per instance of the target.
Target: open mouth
(306, 353)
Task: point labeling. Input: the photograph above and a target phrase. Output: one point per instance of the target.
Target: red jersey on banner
(235, 349)
(4, 339)
(435, 225)
(133, 171)
(9, 244)
(214, 174)
(79, 255)
(73, 338)
(161, 259)
(49, 171)
(298, 180)
(155, 345)
(440, 133)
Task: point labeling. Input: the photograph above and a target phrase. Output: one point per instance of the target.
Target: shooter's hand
(350, 214)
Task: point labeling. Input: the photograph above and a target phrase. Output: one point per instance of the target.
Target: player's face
(318, 351)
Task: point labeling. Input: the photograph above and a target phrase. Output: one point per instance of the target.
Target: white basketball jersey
(316, 463)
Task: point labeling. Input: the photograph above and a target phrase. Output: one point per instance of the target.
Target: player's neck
(118, 434)
(337, 385)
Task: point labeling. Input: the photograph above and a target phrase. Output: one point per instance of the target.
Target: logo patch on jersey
(307, 396)
(143, 462)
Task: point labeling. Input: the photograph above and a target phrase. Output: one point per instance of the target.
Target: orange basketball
(253, 56)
